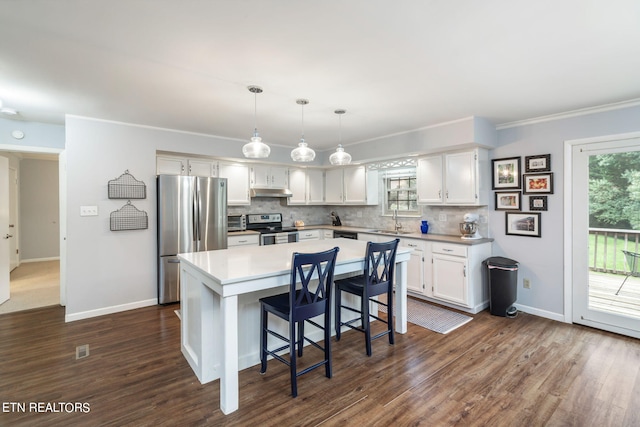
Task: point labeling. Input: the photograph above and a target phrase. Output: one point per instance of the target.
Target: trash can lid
(501, 261)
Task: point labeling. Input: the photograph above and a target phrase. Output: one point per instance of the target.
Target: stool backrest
(307, 301)
(379, 265)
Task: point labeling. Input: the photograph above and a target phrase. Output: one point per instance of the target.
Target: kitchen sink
(392, 231)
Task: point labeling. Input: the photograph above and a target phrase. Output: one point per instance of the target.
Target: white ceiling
(393, 65)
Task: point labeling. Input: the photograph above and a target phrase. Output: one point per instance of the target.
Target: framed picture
(508, 200)
(537, 203)
(535, 183)
(523, 224)
(541, 163)
(506, 173)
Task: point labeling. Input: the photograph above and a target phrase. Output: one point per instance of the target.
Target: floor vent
(82, 351)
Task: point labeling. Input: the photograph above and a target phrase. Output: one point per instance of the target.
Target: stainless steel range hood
(270, 192)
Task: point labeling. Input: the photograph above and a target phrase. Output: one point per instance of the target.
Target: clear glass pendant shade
(340, 157)
(302, 153)
(256, 149)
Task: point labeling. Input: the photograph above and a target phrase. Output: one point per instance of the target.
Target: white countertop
(239, 264)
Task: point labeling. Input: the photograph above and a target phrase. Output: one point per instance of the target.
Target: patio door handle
(8, 236)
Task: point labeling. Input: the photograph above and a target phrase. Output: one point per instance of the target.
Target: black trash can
(502, 276)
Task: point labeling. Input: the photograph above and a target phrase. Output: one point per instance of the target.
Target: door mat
(431, 317)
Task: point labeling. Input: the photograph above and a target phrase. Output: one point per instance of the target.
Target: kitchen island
(220, 310)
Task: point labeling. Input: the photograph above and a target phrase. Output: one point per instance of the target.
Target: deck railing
(606, 246)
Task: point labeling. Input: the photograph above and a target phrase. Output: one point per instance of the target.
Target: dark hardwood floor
(526, 371)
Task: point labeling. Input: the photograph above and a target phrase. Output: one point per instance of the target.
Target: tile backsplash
(368, 216)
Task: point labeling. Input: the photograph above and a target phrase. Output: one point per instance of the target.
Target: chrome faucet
(397, 225)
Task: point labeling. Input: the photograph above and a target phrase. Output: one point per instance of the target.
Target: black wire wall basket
(127, 187)
(128, 217)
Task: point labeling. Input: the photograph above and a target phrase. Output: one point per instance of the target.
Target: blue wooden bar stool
(377, 279)
(298, 306)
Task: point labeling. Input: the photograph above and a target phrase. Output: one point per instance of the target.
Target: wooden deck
(602, 294)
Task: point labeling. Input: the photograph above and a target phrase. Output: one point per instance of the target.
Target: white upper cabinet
(351, 185)
(307, 186)
(267, 176)
(237, 175)
(168, 165)
(315, 186)
(429, 180)
(454, 178)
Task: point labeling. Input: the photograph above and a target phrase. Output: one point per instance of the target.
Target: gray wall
(39, 210)
(542, 259)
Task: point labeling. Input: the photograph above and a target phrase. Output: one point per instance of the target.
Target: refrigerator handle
(194, 215)
(198, 208)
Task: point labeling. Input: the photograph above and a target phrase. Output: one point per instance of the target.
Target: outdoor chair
(631, 259)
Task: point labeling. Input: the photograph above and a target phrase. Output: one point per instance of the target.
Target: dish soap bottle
(424, 227)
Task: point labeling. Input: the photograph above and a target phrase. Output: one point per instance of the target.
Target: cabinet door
(237, 182)
(298, 186)
(333, 186)
(355, 185)
(279, 177)
(461, 178)
(171, 165)
(450, 279)
(315, 186)
(201, 167)
(415, 266)
(259, 176)
(429, 180)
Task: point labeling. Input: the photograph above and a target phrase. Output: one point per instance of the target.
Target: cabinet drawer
(450, 249)
(243, 240)
(309, 235)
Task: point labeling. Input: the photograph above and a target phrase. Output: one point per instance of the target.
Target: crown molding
(572, 113)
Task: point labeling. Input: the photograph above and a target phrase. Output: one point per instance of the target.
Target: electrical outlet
(442, 217)
(526, 283)
(359, 214)
(88, 211)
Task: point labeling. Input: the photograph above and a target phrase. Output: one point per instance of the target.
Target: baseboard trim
(55, 258)
(541, 313)
(109, 310)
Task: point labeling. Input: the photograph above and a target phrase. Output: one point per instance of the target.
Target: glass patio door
(605, 200)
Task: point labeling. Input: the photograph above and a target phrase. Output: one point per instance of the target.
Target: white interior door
(5, 234)
(583, 312)
(14, 260)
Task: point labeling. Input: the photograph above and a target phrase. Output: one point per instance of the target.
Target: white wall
(541, 259)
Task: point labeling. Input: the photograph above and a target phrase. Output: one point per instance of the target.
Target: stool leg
(263, 341)
(292, 358)
(390, 315)
(327, 342)
(366, 325)
(338, 303)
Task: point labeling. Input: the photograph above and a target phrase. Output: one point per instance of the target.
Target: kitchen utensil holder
(127, 187)
(128, 217)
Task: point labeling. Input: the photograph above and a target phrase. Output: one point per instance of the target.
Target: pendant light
(302, 153)
(256, 149)
(340, 157)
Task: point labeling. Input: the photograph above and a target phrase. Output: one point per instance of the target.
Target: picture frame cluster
(510, 184)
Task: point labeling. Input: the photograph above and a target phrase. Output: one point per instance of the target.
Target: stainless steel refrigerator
(192, 217)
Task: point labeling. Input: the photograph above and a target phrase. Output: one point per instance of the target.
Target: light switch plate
(442, 217)
(88, 211)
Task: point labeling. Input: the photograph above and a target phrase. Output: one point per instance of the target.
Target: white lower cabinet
(309, 235)
(327, 234)
(457, 275)
(415, 266)
(243, 240)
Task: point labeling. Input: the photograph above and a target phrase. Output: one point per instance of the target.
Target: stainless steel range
(270, 228)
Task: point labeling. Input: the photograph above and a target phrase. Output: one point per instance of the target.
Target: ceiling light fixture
(9, 111)
(302, 153)
(340, 157)
(256, 149)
